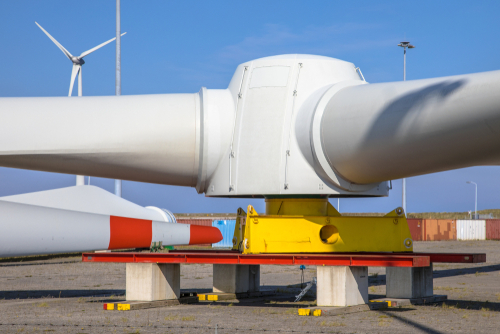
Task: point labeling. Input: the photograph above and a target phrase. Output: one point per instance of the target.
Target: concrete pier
(409, 283)
(236, 278)
(342, 286)
(152, 281)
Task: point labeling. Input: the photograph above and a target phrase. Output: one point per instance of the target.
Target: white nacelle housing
(271, 149)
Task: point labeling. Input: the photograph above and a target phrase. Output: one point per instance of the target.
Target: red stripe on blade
(204, 235)
(129, 233)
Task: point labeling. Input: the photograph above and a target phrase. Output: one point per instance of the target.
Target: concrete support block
(342, 286)
(236, 278)
(253, 278)
(152, 281)
(409, 282)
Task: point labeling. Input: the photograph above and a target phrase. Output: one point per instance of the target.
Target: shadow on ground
(38, 263)
(420, 326)
(40, 258)
(381, 279)
(471, 305)
(34, 294)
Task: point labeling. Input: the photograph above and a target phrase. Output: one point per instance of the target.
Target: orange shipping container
(440, 229)
(416, 229)
(492, 229)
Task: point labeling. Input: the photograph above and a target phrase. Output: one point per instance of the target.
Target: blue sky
(173, 47)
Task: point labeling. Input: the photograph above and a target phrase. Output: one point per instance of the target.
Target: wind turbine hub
(77, 61)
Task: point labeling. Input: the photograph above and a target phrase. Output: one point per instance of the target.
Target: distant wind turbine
(77, 61)
(77, 70)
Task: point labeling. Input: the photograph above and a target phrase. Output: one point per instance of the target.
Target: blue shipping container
(226, 227)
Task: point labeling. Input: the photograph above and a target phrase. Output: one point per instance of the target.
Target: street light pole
(404, 64)
(118, 78)
(405, 45)
(475, 207)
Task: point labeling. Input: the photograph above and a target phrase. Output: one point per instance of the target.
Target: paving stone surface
(64, 295)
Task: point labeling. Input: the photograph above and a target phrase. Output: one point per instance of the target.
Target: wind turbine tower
(77, 70)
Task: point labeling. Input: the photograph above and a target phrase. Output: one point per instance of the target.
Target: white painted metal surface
(31, 229)
(471, 229)
(171, 234)
(85, 218)
(271, 152)
(88, 199)
(423, 126)
(166, 214)
(270, 76)
(149, 138)
(286, 125)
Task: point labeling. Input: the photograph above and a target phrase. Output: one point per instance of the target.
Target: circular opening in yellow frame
(408, 242)
(329, 234)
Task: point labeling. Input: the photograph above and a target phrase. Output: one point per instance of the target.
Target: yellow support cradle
(312, 225)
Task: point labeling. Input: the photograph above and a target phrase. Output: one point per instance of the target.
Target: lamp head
(406, 45)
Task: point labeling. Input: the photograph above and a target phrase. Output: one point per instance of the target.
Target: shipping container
(493, 229)
(439, 229)
(195, 221)
(226, 227)
(471, 229)
(416, 230)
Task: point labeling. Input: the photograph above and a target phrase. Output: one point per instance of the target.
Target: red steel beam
(360, 259)
(434, 257)
(455, 258)
(445, 257)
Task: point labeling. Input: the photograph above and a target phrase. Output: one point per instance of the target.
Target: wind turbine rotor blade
(97, 47)
(74, 72)
(80, 85)
(66, 52)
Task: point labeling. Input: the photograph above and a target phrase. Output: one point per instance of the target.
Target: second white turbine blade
(97, 47)
(74, 73)
(66, 52)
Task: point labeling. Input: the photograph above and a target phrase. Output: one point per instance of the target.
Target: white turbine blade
(80, 85)
(97, 47)
(74, 72)
(66, 52)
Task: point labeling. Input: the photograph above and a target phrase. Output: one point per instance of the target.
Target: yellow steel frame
(314, 226)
